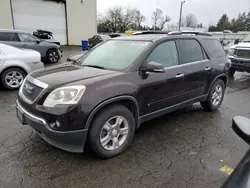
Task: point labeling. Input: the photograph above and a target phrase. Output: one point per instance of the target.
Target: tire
(99, 132)
(53, 56)
(12, 78)
(231, 72)
(212, 104)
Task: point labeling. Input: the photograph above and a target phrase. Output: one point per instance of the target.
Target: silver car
(50, 52)
(15, 64)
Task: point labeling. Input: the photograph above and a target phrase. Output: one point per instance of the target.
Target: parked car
(74, 58)
(15, 64)
(239, 55)
(120, 84)
(49, 51)
(114, 35)
(96, 39)
(240, 177)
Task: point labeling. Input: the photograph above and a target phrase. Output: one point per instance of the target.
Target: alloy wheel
(53, 56)
(14, 79)
(217, 95)
(114, 133)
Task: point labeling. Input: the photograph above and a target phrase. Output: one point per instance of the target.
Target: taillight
(35, 62)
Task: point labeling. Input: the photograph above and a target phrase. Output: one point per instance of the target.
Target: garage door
(30, 15)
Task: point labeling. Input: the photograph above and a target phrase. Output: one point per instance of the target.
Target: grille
(31, 91)
(243, 53)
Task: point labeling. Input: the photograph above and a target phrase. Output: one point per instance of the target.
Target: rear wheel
(112, 130)
(13, 78)
(53, 56)
(215, 97)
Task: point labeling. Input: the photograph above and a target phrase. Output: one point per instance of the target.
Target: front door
(29, 41)
(196, 68)
(162, 90)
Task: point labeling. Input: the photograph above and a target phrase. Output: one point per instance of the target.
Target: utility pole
(181, 15)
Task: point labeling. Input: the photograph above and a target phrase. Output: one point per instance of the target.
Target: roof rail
(198, 33)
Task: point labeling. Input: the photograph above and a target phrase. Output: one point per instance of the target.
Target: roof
(12, 31)
(142, 37)
(156, 37)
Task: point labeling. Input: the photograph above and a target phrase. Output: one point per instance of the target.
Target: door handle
(179, 75)
(207, 68)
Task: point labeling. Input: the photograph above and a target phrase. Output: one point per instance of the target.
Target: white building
(70, 20)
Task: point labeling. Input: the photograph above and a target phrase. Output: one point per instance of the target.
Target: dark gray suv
(50, 52)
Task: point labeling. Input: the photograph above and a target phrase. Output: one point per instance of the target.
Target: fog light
(55, 125)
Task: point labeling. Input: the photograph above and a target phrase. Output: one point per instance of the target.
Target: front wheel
(215, 96)
(53, 56)
(112, 131)
(13, 78)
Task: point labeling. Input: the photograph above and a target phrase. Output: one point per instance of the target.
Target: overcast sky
(207, 11)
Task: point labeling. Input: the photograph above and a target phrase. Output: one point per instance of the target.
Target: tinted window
(214, 47)
(4, 36)
(25, 37)
(190, 51)
(165, 53)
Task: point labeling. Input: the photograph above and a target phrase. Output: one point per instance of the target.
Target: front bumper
(240, 64)
(72, 141)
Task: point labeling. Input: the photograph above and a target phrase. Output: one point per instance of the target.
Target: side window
(24, 37)
(214, 47)
(190, 50)
(4, 36)
(166, 54)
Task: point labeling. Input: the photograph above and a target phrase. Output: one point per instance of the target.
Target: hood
(67, 73)
(53, 41)
(241, 45)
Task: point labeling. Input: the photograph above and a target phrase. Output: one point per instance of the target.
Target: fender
(215, 79)
(109, 101)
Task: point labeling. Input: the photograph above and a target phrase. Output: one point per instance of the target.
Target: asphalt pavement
(184, 149)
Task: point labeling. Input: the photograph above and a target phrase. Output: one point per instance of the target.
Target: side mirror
(38, 41)
(241, 127)
(153, 67)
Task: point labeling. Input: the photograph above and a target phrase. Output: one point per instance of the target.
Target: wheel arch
(126, 100)
(10, 67)
(222, 77)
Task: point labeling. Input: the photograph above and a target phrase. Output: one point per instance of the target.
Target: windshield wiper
(95, 66)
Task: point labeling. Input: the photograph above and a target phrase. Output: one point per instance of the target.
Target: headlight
(64, 95)
(231, 52)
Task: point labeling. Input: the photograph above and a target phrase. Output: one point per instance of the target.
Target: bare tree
(127, 19)
(159, 20)
(139, 18)
(163, 21)
(191, 20)
(157, 15)
(120, 19)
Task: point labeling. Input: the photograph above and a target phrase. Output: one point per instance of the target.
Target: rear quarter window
(214, 48)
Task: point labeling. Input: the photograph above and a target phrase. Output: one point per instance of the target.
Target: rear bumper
(72, 141)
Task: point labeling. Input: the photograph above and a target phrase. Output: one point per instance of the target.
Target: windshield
(114, 54)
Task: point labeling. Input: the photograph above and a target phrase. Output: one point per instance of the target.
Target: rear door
(196, 68)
